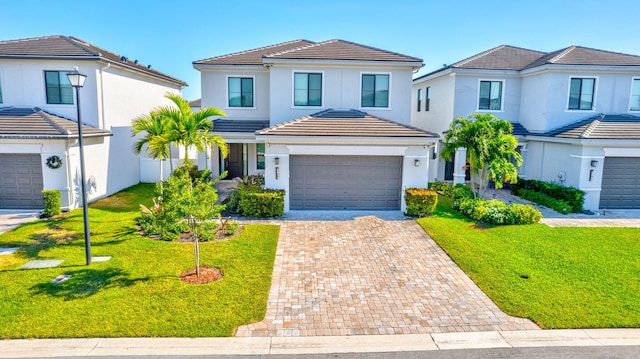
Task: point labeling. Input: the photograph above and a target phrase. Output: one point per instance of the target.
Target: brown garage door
(621, 183)
(345, 182)
(20, 181)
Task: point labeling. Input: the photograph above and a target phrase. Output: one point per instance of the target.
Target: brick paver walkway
(370, 276)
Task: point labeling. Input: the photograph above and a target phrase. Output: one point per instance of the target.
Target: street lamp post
(77, 81)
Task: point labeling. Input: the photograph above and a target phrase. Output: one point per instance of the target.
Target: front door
(233, 162)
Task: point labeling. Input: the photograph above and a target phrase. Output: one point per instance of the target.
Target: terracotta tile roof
(253, 56)
(341, 50)
(35, 123)
(578, 55)
(503, 57)
(601, 126)
(308, 50)
(349, 123)
(68, 47)
(196, 103)
(229, 125)
(519, 130)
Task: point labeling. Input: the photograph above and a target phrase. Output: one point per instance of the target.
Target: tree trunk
(161, 175)
(196, 245)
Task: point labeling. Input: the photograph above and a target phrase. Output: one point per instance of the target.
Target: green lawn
(137, 293)
(562, 277)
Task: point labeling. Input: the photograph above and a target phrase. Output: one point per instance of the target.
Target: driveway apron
(370, 276)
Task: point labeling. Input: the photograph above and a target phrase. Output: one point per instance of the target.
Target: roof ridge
(45, 116)
(592, 126)
(298, 48)
(30, 39)
(377, 49)
(81, 44)
(252, 50)
(477, 56)
(562, 54)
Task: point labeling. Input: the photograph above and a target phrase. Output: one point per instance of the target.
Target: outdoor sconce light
(416, 162)
(276, 160)
(594, 163)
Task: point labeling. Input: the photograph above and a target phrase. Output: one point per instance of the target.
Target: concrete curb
(26, 348)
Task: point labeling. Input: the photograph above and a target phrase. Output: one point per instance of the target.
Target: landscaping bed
(560, 277)
(138, 293)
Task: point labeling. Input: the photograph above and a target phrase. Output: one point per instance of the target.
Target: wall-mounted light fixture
(416, 162)
(594, 163)
(276, 160)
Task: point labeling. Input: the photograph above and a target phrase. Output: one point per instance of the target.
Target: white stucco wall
(214, 91)
(440, 113)
(341, 90)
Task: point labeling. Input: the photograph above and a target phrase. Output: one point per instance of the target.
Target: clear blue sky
(171, 34)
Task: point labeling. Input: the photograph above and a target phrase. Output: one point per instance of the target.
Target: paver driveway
(370, 276)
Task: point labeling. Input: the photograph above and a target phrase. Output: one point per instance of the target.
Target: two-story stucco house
(329, 122)
(38, 119)
(576, 114)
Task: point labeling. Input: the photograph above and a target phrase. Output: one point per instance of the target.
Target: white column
(458, 166)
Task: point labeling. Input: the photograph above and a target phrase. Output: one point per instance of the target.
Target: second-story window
(581, 93)
(490, 96)
(375, 91)
(634, 103)
(240, 92)
(307, 89)
(419, 99)
(59, 90)
(427, 99)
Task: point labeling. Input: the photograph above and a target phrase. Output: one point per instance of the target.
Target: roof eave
(198, 66)
(50, 137)
(413, 64)
(290, 139)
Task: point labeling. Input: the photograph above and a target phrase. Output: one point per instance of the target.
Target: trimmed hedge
(499, 213)
(557, 205)
(51, 198)
(572, 196)
(420, 201)
(261, 203)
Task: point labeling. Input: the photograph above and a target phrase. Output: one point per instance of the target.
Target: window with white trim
(581, 92)
(307, 89)
(427, 99)
(634, 101)
(240, 91)
(375, 90)
(58, 87)
(419, 99)
(260, 156)
(490, 95)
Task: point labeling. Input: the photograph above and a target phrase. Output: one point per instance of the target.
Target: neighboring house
(576, 114)
(38, 119)
(329, 122)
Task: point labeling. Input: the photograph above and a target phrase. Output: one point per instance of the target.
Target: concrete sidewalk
(26, 348)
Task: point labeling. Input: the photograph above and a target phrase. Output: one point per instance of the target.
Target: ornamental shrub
(496, 212)
(51, 198)
(440, 186)
(557, 205)
(262, 203)
(420, 201)
(570, 195)
(524, 214)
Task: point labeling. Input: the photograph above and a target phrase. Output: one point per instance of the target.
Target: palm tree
(155, 137)
(490, 147)
(191, 129)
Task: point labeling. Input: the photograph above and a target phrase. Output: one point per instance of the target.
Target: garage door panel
(21, 181)
(621, 183)
(345, 182)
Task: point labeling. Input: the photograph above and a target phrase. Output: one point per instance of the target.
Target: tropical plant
(191, 129)
(490, 148)
(155, 138)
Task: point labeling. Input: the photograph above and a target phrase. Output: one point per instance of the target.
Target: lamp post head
(76, 78)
